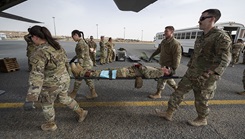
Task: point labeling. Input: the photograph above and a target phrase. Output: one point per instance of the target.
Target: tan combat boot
(82, 114)
(199, 121)
(167, 115)
(93, 94)
(49, 126)
(241, 93)
(156, 95)
(73, 94)
(138, 82)
(76, 69)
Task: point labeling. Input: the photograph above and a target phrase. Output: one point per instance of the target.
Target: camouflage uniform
(110, 52)
(243, 51)
(29, 49)
(236, 49)
(243, 80)
(211, 52)
(82, 53)
(170, 56)
(49, 79)
(102, 52)
(127, 72)
(92, 51)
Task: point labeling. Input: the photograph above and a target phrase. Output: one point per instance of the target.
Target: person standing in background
(236, 49)
(92, 50)
(102, 51)
(243, 80)
(110, 53)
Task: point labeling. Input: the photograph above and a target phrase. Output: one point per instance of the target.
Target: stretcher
(125, 78)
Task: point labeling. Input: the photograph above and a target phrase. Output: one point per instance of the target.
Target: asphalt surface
(120, 111)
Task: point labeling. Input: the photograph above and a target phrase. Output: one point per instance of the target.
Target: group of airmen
(49, 69)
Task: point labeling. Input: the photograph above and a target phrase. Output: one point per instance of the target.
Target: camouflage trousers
(235, 58)
(203, 89)
(243, 61)
(102, 57)
(161, 83)
(243, 80)
(48, 97)
(93, 57)
(109, 55)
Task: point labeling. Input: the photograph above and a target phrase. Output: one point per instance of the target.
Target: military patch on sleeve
(34, 61)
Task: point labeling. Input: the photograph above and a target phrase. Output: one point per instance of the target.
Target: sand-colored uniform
(92, 51)
(243, 80)
(82, 53)
(110, 52)
(49, 79)
(243, 51)
(236, 49)
(102, 52)
(212, 52)
(170, 56)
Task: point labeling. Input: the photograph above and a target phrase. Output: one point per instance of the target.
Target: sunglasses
(204, 17)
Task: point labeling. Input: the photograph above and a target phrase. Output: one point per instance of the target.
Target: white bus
(187, 36)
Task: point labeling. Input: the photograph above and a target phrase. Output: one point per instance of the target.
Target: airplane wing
(124, 5)
(15, 17)
(5, 4)
(133, 5)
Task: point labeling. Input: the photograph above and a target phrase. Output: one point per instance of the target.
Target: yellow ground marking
(132, 103)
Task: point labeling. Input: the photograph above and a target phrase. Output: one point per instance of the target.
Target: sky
(102, 17)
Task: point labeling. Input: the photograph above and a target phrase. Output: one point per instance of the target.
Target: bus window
(193, 35)
(188, 35)
(177, 35)
(242, 34)
(160, 37)
(199, 33)
(182, 35)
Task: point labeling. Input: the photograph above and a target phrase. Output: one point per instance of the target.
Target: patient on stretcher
(137, 71)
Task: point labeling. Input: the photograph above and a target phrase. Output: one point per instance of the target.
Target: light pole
(54, 26)
(141, 35)
(97, 27)
(124, 33)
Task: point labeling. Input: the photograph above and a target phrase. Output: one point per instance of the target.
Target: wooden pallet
(9, 65)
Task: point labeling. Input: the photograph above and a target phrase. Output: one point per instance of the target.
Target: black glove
(73, 59)
(28, 106)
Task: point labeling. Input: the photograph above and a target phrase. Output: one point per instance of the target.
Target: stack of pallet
(9, 65)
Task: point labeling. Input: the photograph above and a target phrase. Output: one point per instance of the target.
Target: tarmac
(120, 111)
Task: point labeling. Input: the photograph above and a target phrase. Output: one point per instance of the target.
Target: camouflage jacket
(237, 47)
(82, 52)
(170, 53)
(110, 45)
(48, 69)
(92, 44)
(211, 52)
(30, 46)
(102, 46)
